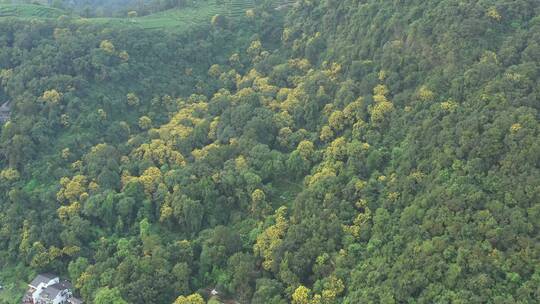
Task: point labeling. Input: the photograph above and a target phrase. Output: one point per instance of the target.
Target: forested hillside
(322, 152)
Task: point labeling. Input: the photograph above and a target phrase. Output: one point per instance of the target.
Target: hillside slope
(355, 152)
(29, 11)
(182, 18)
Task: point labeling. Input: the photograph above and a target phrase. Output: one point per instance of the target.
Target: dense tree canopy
(351, 152)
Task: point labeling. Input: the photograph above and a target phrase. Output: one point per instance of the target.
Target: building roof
(42, 278)
(49, 293)
(53, 290)
(5, 107)
(63, 285)
(5, 112)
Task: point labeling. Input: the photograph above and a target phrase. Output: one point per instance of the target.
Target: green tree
(107, 295)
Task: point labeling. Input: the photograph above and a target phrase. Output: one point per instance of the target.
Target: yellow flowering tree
(271, 238)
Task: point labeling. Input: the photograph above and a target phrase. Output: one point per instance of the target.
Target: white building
(49, 289)
(40, 283)
(5, 112)
(57, 293)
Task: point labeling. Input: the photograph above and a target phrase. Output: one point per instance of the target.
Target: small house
(42, 281)
(57, 293)
(49, 289)
(5, 112)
